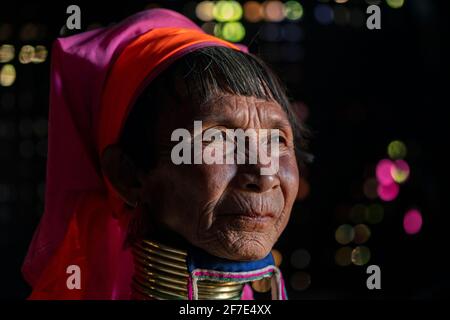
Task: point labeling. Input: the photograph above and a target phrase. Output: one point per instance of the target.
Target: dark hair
(202, 75)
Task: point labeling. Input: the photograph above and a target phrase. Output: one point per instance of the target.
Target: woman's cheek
(289, 178)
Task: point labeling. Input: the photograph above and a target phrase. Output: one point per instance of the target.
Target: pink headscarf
(84, 222)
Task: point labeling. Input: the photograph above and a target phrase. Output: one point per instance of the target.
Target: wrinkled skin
(229, 210)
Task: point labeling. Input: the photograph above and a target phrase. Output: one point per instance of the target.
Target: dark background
(357, 89)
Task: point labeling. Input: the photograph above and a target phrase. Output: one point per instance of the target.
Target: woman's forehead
(241, 108)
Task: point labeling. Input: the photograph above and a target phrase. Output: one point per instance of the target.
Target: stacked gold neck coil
(161, 273)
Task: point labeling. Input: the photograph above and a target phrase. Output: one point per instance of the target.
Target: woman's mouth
(248, 221)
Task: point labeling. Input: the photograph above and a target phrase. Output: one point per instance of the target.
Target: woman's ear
(122, 173)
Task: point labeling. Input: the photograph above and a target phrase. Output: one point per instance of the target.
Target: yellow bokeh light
(40, 54)
(7, 75)
(227, 11)
(400, 171)
(6, 53)
(26, 54)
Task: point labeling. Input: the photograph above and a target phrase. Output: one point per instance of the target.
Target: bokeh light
(26, 54)
(397, 150)
(204, 10)
(293, 10)
(6, 53)
(395, 4)
(360, 255)
(343, 256)
(300, 258)
(400, 171)
(383, 172)
(375, 213)
(233, 31)
(253, 11)
(224, 11)
(40, 54)
(324, 14)
(7, 75)
(362, 233)
(300, 280)
(274, 11)
(388, 192)
(344, 234)
(412, 221)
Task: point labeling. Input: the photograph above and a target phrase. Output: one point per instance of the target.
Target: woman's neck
(161, 272)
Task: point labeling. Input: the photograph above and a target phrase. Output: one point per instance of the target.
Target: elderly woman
(122, 220)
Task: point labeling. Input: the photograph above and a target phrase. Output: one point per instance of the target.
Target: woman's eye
(278, 138)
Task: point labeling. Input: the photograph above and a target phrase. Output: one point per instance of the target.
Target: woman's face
(229, 210)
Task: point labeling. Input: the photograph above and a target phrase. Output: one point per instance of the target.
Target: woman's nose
(257, 182)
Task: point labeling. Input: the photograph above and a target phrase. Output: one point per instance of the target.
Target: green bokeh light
(293, 10)
(227, 11)
(231, 31)
(395, 4)
(397, 150)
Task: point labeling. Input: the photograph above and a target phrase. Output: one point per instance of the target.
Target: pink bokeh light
(383, 172)
(388, 192)
(412, 221)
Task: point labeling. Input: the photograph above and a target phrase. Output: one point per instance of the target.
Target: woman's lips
(248, 221)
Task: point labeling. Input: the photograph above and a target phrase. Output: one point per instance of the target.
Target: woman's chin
(244, 249)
